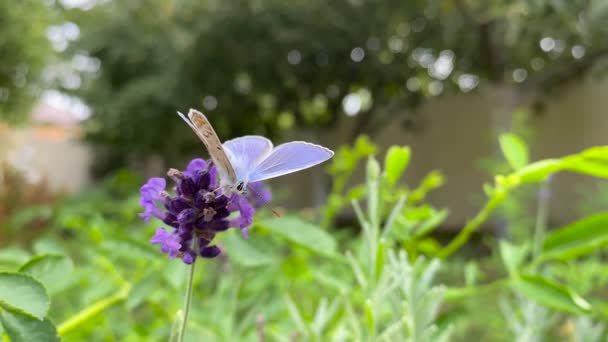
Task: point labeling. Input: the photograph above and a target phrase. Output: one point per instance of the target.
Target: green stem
(473, 225)
(187, 301)
(457, 294)
(542, 215)
(92, 310)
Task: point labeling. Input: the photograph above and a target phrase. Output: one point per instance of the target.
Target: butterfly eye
(240, 187)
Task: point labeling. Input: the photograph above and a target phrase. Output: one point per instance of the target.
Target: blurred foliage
(268, 66)
(24, 51)
(25, 207)
(293, 279)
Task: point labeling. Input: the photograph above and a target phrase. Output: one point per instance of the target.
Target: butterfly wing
(245, 153)
(290, 157)
(203, 129)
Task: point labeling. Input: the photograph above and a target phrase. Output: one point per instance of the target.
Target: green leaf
(514, 149)
(551, 294)
(431, 223)
(588, 167)
(51, 270)
(512, 255)
(21, 328)
(539, 170)
(243, 252)
(302, 233)
(579, 238)
(23, 294)
(598, 152)
(396, 160)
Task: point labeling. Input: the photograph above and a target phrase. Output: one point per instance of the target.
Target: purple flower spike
(198, 211)
(151, 195)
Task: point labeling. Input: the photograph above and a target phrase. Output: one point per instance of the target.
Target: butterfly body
(253, 158)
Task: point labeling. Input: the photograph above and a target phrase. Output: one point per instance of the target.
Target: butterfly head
(241, 187)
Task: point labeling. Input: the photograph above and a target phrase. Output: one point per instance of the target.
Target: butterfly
(252, 158)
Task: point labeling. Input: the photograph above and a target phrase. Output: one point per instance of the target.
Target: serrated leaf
(396, 160)
(579, 238)
(514, 150)
(302, 233)
(51, 270)
(551, 294)
(23, 294)
(21, 328)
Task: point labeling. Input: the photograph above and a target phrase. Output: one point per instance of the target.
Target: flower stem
(187, 301)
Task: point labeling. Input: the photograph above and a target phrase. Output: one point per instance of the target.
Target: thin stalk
(473, 225)
(92, 310)
(542, 215)
(187, 302)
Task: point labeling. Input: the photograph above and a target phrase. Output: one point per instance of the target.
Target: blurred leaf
(428, 225)
(13, 255)
(53, 271)
(142, 289)
(302, 233)
(539, 170)
(21, 328)
(395, 162)
(578, 239)
(551, 294)
(514, 149)
(244, 253)
(599, 152)
(28, 215)
(512, 255)
(176, 327)
(23, 294)
(588, 167)
(471, 273)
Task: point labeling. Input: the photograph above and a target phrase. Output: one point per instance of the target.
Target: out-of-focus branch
(565, 72)
(489, 50)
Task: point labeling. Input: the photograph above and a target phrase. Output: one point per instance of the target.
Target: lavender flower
(198, 211)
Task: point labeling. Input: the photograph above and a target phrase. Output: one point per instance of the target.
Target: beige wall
(457, 135)
(51, 153)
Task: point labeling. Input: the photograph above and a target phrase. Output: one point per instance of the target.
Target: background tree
(24, 49)
(268, 66)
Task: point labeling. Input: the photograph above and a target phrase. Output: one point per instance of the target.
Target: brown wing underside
(205, 132)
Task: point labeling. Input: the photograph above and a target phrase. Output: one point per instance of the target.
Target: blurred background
(89, 91)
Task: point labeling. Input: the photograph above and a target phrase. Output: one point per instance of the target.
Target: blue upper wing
(245, 153)
(287, 158)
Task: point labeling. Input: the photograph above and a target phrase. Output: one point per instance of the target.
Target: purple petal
(189, 257)
(259, 194)
(246, 217)
(210, 251)
(169, 243)
(151, 197)
(194, 166)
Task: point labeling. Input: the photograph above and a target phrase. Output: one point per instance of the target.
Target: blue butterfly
(253, 158)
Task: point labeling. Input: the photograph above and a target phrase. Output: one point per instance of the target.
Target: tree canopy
(24, 50)
(268, 66)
